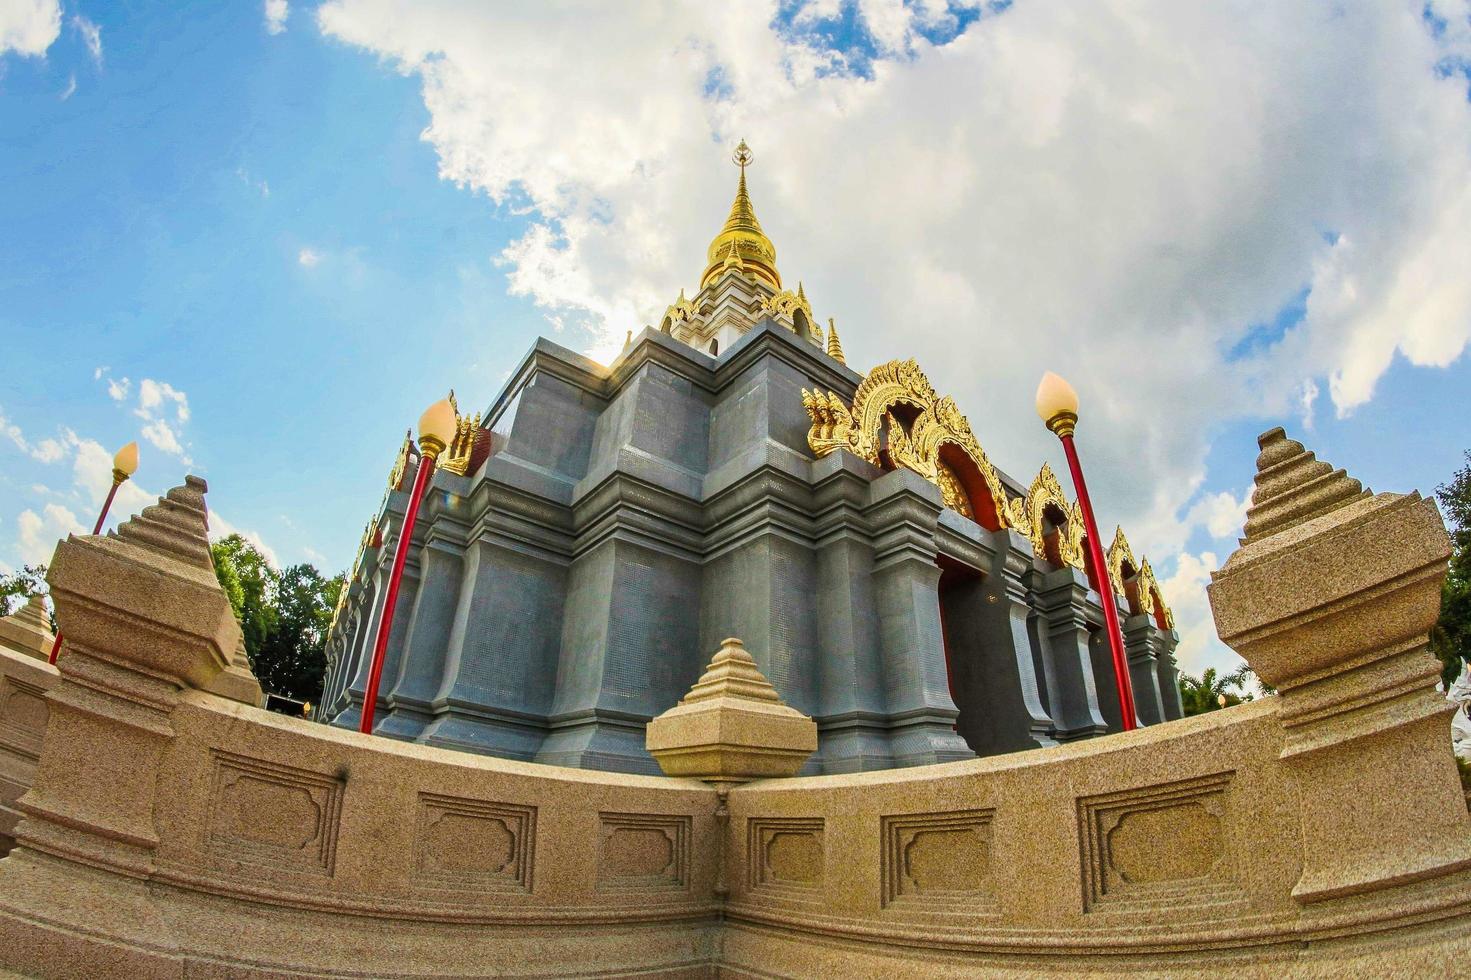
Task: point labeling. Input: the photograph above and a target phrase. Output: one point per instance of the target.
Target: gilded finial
(801, 293)
(743, 235)
(742, 156)
(834, 346)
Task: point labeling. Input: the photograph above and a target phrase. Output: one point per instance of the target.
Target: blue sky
(260, 246)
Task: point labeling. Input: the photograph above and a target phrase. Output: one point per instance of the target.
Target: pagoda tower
(599, 529)
(740, 286)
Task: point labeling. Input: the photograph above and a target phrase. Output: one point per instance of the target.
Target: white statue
(1460, 696)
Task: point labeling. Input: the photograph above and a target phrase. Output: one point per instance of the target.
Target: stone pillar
(423, 661)
(852, 733)
(1061, 600)
(144, 617)
(503, 649)
(1330, 599)
(627, 646)
(1144, 645)
(904, 514)
(1169, 677)
(991, 669)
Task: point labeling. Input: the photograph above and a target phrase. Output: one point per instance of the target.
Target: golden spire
(742, 237)
(834, 346)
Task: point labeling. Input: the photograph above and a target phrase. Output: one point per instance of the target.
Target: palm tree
(1212, 691)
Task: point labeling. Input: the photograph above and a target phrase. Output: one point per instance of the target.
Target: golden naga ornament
(934, 428)
(458, 455)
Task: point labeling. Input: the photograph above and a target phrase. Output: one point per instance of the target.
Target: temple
(598, 530)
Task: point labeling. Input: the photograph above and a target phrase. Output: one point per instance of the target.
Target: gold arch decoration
(1119, 553)
(1028, 513)
(406, 453)
(1163, 616)
(937, 426)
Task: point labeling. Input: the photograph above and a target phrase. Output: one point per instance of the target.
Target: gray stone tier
(629, 518)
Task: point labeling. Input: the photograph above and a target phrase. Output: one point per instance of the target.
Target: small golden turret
(741, 242)
(834, 346)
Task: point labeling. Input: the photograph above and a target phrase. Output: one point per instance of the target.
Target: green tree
(17, 587)
(284, 616)
(293, 658)
(250, 583)
(1450, 638)
(1199, 695)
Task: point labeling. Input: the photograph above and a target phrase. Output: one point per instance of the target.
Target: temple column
(629, 648)
(1169, 677)
(904, 515)
(502, 653)
(1061, 601)
(992, 674)
(1144, 645)
(420, 668)
(852, 736)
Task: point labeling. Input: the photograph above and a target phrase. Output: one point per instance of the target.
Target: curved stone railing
(170, 831)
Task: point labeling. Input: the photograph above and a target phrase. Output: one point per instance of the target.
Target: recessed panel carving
(939, 859)
(1156, 844)
(23, 716)
(474, 844)
(785, 853)
(274, 816)
(643, 852)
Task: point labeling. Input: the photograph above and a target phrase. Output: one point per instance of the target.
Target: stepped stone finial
(178, 525)
(732, 726)
(28, 629)
(33, 614)
(834, 346)
(1293, 486)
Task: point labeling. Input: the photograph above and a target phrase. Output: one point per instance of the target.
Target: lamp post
(1057, 404)
(436, 429)
(124, 465)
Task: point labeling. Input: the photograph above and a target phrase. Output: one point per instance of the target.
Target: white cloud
(91, 36)
(1221, 514)
(308, 257)
(45, 451)
(153, 394)
(70, 90)
(28, 27)
(221, 528)
(1306, 401)
(39, 533)
(162, 436)
(1117, 190)
(1185, 591)
(117, 388)
(276, 12)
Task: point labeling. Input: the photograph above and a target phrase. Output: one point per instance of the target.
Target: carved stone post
(1061, 601)
(1169, 676)
(144, 617)
(1330, 599)
(904, 514)
(994, 676)
(1145, 646)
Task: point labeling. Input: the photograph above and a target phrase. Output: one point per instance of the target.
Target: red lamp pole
(1105, 588)
(1057, 405)
(430, 446)
(124, 463)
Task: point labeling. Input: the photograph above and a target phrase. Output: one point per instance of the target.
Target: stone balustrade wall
(171, 832)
